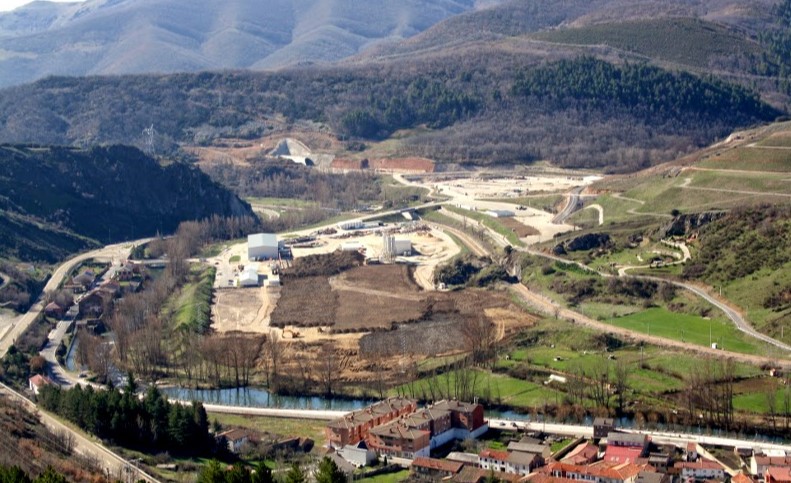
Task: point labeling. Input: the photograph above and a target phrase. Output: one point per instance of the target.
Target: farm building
(501, 213)
(249, 276)
(262, 246)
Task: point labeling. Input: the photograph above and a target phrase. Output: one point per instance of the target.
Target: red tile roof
(700, 465)
(39, 381)
(773, 460)
(494, 454)
(583, 453)
(741, 478)
(622, 454)
(779, 474)
(601, 469)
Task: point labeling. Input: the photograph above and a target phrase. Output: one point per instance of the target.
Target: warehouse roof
(262, 240)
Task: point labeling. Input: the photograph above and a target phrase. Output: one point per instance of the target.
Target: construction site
(368, 291)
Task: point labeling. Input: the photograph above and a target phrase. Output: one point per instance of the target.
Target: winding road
(112, 253)
(547, 306)
(573, 202)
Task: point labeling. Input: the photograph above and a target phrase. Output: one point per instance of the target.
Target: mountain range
(617, 84)
(164, 36)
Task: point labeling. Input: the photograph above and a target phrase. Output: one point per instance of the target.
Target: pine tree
(329, 472)
(295, 474)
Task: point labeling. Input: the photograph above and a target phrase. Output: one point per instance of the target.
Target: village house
(583, 454)
(778, 474)
(95, 303)
(601, 472)
(625, 447)
(37, 382)
(701, 470)
(469, 459)
(430, 469)
(354, 427)
(741, 478)
(523, 463)
(112, 287)
(82, 282)
(490, 459)
(124, 273)
(602, 427)
(359, 455)
(54, 310)
(541, 450)
(235, 439)
(760, 463)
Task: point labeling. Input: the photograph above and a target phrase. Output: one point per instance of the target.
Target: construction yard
(482, 193)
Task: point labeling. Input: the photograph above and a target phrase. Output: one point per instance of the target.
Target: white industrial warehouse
(262, 246)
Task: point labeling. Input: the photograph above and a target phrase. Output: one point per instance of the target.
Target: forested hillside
(479, 107)
(56, 201)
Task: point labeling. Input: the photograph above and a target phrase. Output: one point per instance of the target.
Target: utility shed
(262, 246)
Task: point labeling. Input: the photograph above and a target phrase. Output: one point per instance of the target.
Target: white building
(262, 246)
(501, 213)
(395, 247)
(351, 225)
(249, 276)
(359, 455)
(273, 281)
(351, 247)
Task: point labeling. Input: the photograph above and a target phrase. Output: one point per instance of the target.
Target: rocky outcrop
(585, 242)
(685, 224)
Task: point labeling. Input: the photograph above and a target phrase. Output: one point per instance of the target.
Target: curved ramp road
(572, 204)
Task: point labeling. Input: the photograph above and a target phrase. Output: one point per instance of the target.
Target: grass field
(489, 387)
(280, 426)
(687, 328)
(191, 306)
(751, 159)
(489, 222)
(388, 478)
(282, 202)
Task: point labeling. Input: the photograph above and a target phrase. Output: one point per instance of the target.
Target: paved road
(657, 436)
(572, 204)
(113, 253)
(320, 414)
(115, 466)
